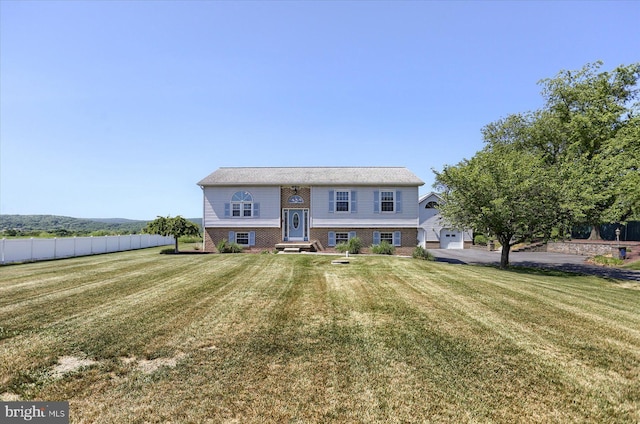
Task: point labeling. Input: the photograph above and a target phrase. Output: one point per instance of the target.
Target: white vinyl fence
(37, 249)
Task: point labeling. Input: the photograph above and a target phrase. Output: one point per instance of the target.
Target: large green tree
(585, 130)
(503, 191)
(587, 135)
(621, 157)
(176, 227)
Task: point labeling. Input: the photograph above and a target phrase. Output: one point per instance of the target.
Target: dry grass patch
(292, 338)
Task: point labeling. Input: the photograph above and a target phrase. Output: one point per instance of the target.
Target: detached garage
(433, 232)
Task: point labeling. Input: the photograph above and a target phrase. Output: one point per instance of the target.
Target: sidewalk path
(563, 262)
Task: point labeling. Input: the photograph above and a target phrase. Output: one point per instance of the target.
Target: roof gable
(263, 176)
(430, 197)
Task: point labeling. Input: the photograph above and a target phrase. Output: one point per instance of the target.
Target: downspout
(204, 238)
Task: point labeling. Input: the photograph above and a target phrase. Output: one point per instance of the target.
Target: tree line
(64, 226)
(575, 161)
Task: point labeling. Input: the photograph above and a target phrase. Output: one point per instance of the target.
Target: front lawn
(272, 338)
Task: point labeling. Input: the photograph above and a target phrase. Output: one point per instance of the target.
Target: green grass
(634, 265)
(292, 338)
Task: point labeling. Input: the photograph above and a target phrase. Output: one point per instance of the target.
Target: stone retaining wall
(587, 248)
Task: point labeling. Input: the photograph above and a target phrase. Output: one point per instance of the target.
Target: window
(295, 199)
(431, 205)
(242, 238)
(388, 237)
(342, 201)
(242, 206)
(387, 201)
(340, 237)
(393, 238)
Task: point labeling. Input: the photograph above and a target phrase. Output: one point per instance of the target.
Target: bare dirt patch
(67, 364)
(149, 366)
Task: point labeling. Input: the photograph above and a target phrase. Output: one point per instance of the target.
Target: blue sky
(118, 108)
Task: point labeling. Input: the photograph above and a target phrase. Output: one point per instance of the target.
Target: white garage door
(450, 239)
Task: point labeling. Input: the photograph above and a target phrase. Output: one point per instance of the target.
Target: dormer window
(431, 205)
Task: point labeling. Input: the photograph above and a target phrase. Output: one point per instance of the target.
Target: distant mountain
(115, 220)
(68, 226)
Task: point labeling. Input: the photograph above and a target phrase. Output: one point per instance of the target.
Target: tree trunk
(176, 239)
(504, 255)
(595, 232)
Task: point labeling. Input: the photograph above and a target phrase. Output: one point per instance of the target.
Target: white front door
(450, 239)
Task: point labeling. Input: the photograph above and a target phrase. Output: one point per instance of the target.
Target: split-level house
(317, 207)
(434, 232)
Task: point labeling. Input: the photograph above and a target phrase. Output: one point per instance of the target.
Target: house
(433, 232)
(316, 207)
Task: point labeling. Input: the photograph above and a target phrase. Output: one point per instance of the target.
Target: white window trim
(243, 206)
(341, 232)
(335, 201)
(393, 201)
(247, 236)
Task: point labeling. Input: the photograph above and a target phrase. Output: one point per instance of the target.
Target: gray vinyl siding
(432, 224)
(267, 199)
(363, 215)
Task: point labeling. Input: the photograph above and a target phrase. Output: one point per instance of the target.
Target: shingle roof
(312, 176)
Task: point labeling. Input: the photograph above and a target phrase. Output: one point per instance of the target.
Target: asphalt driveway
(564, 262)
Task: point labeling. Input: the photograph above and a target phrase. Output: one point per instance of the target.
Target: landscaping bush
(421, 253)
(225, 247)
(480, 240)
(384, 248)
(607, 260)
(353, 246)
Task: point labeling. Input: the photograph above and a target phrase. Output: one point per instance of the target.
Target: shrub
(384, 248)
(224, 246)
(421, 253)
(607, 260)
(353, 246)
(480, 240)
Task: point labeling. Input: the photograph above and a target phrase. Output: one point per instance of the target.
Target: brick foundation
(409, 237)
(266, 238)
